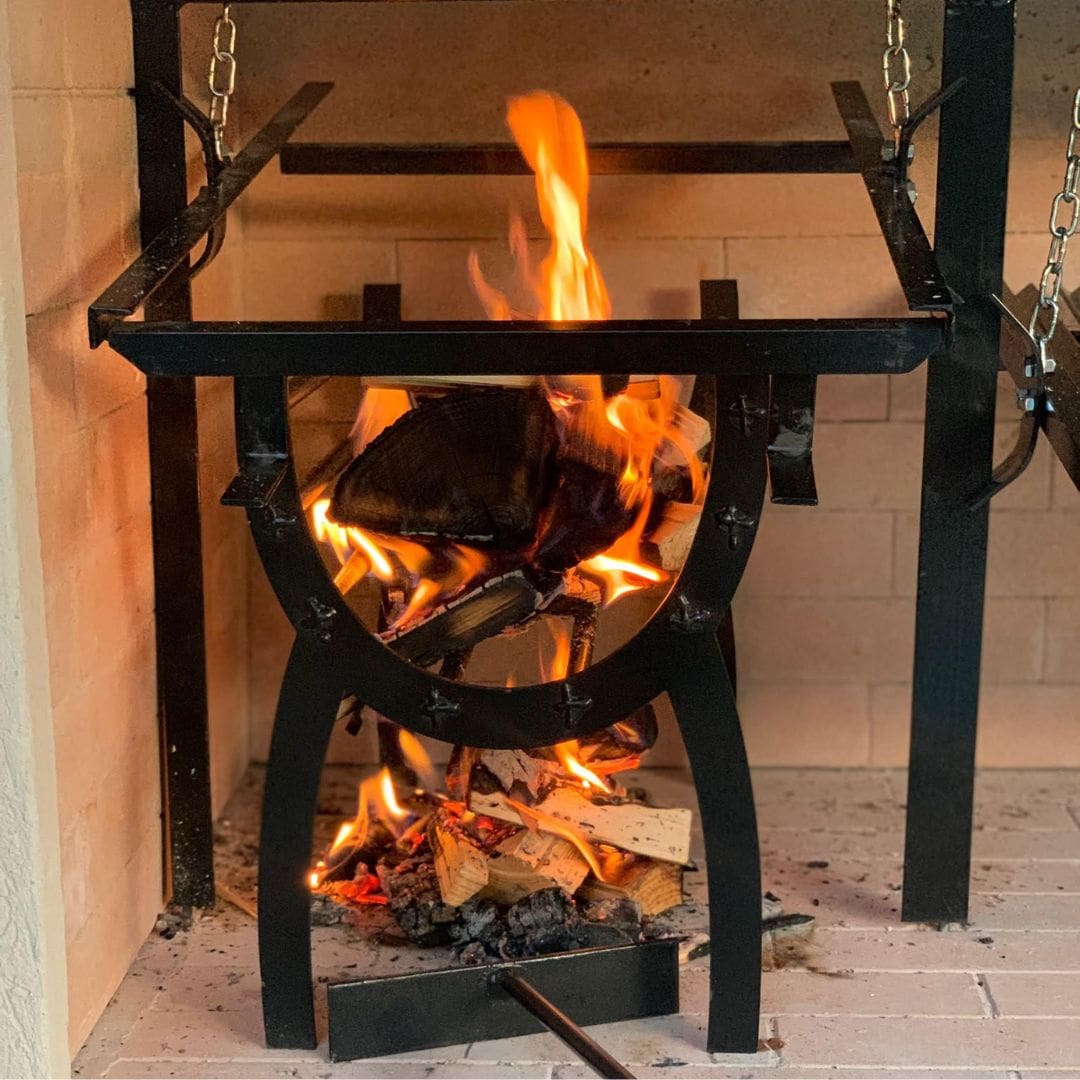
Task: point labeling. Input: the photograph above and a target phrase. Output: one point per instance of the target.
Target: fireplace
(753, 389)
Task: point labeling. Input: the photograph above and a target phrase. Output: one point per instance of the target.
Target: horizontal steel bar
(914, 259)
(370, 1017)
(1062, 425)
(754, 346)
(605, 159)
(172, 246)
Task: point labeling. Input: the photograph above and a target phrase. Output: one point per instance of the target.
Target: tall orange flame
(379, 408)
(632, 428)
(376, 793)
(569, 752)
(569, 285)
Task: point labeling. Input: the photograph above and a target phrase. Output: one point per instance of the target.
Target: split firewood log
(638, 386)
(675, 532)
(520, 774)
(655, 885)
(461, 867)
(529, 861)
(643, 830)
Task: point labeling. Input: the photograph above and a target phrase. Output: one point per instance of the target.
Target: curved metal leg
(705, 707)
(307, 708)
(725, 636)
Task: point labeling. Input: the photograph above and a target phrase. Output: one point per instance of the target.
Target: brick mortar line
(1073, 972)
(627, 238)
(30, 92)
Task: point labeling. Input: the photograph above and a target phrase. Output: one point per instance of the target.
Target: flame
(379, 408)
(560, 661)
(376, 792)
(416, 757)
(631, 428)
(430, 575)
(389, 796)
(569, 284)
(567, 753)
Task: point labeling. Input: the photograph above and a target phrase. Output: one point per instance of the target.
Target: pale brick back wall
(75, 155)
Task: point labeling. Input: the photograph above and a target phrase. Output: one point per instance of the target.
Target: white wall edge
(33, 967)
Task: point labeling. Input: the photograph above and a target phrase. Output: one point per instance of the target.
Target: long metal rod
(562, 1027)
(605, 159)
(178, 234)
(745, 346)
(973, 167)
(916, 266)
(173, 438)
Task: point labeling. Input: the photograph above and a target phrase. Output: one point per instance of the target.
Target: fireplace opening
(577, 492)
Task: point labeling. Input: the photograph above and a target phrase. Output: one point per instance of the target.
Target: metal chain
(222, 77)
(896, 68)
(1063, 225)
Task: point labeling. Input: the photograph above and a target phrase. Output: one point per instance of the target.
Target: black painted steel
(560, 1025)
(181, 230)
(605, 159)
(307, 709)
(791, 440)
(973, 159)
(702, 695)
(372, 1017)
(173, 439)
(745, 346)
(719, 300)
(916, 267)
(1062, 425)
(334, 651)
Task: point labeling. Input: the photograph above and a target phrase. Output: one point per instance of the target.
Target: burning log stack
(544, 851)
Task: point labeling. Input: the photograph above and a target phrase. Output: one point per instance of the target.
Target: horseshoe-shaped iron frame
(677, 652)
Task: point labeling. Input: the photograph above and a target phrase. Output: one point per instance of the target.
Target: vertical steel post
(973, 161)
(174, 480)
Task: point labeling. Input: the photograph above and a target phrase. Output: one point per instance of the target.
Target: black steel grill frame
(743, 355)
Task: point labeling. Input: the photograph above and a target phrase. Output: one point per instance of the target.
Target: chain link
(222, 77)
(896, 68)
(1064, 221)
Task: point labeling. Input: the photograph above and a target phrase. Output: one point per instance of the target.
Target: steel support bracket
(171, 247)
(791, 439)
(254, 490)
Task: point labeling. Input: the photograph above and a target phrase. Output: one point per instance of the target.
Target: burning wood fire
(479, 506)
(532, 487)
(548, 836)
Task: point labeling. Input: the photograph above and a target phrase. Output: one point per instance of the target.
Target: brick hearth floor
(870, 997)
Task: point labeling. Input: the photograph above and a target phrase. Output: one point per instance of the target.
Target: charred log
(499, 604)
(473, 466)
